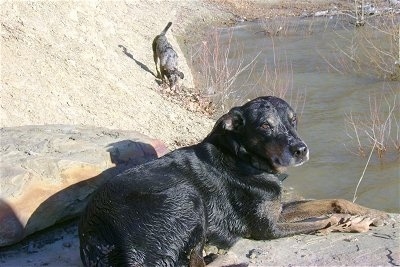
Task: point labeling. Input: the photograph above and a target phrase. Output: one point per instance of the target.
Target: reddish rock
(49, 172)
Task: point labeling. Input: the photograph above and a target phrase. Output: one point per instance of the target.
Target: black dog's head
(263, 133)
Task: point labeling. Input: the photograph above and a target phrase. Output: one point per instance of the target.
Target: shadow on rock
(71, 201)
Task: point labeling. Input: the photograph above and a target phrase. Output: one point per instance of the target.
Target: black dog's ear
(233, 120)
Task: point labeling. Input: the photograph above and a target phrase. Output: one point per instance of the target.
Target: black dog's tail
(166, 28)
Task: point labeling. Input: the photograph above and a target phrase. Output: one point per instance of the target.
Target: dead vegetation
(373, 49)
(378, 130)
(228, 79)
(191, 99)
(217, 73)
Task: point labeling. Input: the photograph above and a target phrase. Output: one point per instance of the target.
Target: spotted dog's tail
(166, 28)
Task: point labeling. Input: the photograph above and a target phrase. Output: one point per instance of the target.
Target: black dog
(226, 187)
(163, 50)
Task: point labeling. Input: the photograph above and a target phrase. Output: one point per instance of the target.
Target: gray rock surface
(49, 172)
(377, 247)
(59, 246)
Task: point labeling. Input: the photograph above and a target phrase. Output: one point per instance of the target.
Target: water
(300, 56)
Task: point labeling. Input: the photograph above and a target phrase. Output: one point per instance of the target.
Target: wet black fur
(163, 50)
(226, 187)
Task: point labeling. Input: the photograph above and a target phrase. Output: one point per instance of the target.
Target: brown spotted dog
(163, 50)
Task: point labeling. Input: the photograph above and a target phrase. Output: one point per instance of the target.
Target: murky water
(299, 60)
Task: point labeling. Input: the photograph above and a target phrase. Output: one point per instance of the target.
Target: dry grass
(373, 49)
(218, 73)
(278, 81)
(376, 132)
(363, 173)
(379, 129)
(230, 80)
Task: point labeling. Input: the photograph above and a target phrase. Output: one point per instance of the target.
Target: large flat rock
(49, 172)
(377, 247)
(59, 246)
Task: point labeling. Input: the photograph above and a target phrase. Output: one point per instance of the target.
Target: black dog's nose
(300, 150)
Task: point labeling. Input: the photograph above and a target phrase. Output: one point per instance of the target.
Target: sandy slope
(64, 62)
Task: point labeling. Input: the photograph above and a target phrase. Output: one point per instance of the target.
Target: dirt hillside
(91, 63)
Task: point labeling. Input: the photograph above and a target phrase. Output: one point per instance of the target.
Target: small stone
(254, 253)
